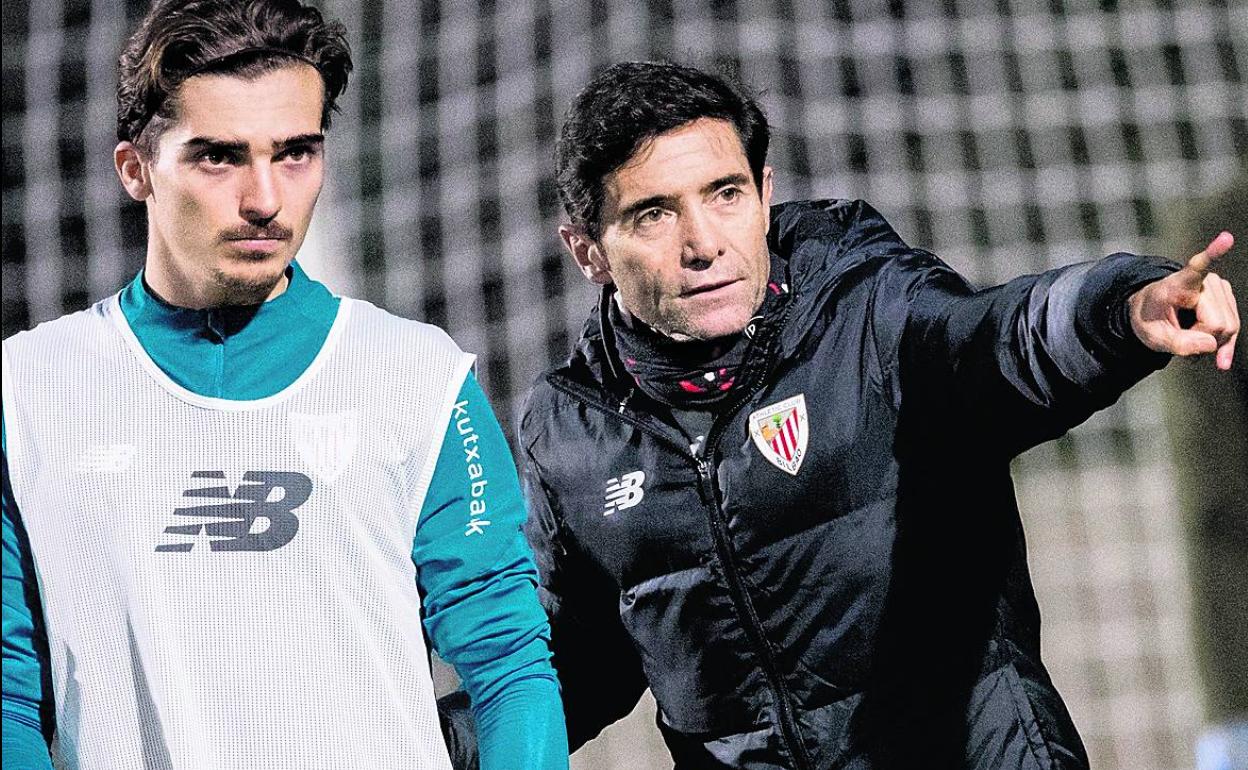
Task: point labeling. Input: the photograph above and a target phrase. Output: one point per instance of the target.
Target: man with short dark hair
(235, 504)
(772, 482)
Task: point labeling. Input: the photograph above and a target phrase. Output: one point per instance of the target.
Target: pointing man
(821, 563)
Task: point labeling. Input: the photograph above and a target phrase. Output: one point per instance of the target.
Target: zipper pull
(705, 484)
(624, 402)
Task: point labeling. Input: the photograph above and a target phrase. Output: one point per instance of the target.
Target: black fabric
(693, 374)
(1106, 292)
(873, 609)
(459, 730)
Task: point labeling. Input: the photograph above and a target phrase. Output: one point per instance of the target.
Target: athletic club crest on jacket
(780, 430)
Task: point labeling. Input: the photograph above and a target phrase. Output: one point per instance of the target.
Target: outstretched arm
(1024, 362)
(1014, 365)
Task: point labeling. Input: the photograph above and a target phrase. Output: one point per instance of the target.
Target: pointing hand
(1191, 312)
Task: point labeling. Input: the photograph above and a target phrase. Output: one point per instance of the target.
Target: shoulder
(797, 225)
(849, 268)
(389, 331)
(37, 366)
(399, 359)
(541, 404)
(824, 239)
(834, 239)
(565, 409)
(63, 339)
(564, 393)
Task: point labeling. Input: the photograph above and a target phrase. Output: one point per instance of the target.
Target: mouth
(257, 245)
(708, 288)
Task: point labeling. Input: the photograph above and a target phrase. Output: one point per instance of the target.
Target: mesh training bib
(229, 584)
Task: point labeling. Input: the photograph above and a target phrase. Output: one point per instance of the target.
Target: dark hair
(182, 38)
(630, 103)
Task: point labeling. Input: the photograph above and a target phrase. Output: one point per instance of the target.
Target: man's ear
(132, 171)
(587, 254)
(766, 195)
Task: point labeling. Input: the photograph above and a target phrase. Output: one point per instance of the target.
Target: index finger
(1201, 263)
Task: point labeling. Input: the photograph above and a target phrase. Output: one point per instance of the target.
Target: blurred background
(1007, 136)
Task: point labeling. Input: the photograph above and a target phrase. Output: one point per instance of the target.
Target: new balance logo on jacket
(624, 492)
(250, 521)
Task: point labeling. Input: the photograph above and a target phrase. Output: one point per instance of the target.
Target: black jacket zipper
(789, 732)
(754, 627)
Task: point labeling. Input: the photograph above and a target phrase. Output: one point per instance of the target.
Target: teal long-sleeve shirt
(479, 596)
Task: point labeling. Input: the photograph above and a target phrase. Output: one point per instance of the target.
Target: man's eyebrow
(645, 203)
(739, 179)
(313, 139)
(197, 143)
(670, 200)
(208, 143)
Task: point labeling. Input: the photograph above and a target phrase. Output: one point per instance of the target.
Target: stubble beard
(240, 290)
(695, 329)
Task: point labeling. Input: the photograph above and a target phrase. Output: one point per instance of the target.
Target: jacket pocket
(693, 652)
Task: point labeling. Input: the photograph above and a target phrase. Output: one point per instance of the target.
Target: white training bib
(229, 584)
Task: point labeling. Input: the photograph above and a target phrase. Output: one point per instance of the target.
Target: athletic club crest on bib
(779, 431)
(326, 442)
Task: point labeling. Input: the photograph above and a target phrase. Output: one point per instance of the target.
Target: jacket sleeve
(1023, 362)
(598, 666)
(26, 683)
(478, 580)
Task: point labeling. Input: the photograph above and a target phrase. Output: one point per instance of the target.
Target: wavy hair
(179, 39)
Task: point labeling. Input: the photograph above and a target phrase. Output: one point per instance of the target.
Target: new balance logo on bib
(259, 517)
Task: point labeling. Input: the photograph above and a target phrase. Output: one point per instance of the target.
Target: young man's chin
(250, 283)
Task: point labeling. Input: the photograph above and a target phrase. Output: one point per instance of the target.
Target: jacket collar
(238, 353)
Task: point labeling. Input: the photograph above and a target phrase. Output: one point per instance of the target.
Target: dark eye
(298, 154)
(730, 194)
(649, 216)
(216, 157)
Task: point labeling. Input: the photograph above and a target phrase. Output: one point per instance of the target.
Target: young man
(231, 497)
(772, 482)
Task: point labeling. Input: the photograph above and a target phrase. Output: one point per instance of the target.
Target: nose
(260, 200)
(702, 242)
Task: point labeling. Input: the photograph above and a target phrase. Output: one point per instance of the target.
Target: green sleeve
(479, 587)
(26, 686)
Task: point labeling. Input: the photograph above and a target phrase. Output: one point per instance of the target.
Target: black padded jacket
(872, 609)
